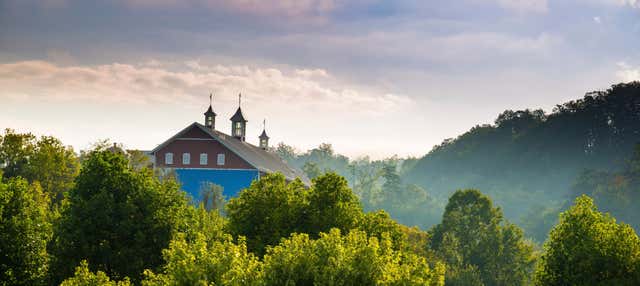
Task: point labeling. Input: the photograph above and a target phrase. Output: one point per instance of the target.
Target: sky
(373, 78)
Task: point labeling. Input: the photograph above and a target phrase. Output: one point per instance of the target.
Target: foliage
(353, 259)
(25, 230)
(268, 210)
(45, 160)
(589, 248)
(272, 208)
(202, 262)
(528, 159)
(311, 170)
(331, 204)
(117, 218)
(475, 243)
(378, 184)
(84, 277)
(377, 224)
(614, 191)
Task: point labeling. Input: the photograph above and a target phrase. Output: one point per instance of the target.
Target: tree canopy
(479, 246)
(588, 247)
(117, 218)
(25, 230)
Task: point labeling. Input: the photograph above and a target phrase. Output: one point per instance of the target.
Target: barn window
(203, 159)
(186, 159)
(238, 129)
(221, 159)
(168, 158)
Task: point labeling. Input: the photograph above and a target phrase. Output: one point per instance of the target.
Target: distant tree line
(530, 162)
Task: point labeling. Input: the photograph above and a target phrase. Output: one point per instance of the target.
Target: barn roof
(260, 159)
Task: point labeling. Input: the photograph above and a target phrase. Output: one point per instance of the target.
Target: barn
(200, 154)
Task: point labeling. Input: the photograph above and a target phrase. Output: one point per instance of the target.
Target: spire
(238, 122)
(209, 115)
(238, 116)
(264, 138)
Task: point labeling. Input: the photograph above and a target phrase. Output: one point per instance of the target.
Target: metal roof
(264, 135)
(238, 116)
(210, 111)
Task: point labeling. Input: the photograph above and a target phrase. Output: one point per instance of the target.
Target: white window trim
(221, 159)
(168, 158)
(204, 159)
(186, 158)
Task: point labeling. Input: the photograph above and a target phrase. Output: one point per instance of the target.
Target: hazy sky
(370, 77)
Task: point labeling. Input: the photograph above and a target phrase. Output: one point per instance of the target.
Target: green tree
(117, 218)
(472, 236)
(84, 277)
(352, 259)
(25, 230)
(202, 262)
(15, 151)
(589, 248)
(377, 224)
(46, 161)
(332, 204)
(311, 169)
(270, 209)
(54, 166)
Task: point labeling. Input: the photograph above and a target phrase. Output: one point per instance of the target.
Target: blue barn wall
(233, 181)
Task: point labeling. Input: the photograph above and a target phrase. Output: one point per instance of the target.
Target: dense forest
(531, 163)
(104, 217)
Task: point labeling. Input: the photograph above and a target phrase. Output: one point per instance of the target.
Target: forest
(532, 164)
(533, 199)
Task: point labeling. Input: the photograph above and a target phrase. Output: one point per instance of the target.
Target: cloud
(156, 83)
(299, 9)
(628, 73)
(538, 6)
(629, 3)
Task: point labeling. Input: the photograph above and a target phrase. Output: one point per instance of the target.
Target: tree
(352, 259)
(472, 238)
(199, 262)
(25, 230)
(377, 224)
(270, 209)
(286, 152)
(589, 248)
(117, 218)
(311, 170)
(54, 166)
(15, 151)
(332, 204)
(84, 277)
(46, 161)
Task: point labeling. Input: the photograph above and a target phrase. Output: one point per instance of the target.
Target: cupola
(210, 116)
(238, 122)
(264, 139)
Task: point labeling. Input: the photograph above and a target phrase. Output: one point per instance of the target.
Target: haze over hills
(527, 161)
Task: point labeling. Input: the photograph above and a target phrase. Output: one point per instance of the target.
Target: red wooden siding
(195, 146)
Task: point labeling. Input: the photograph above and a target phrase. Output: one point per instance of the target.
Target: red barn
(200, 154)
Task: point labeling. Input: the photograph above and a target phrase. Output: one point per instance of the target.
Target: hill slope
(529, 160)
